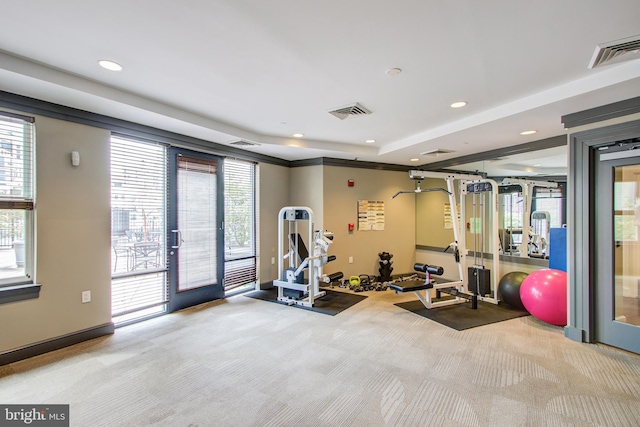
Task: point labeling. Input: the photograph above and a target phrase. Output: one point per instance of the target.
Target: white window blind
(550, 200)
(17, 139)
(513, 210)
(240, 223)
(197, 208)
(138, 226)
(625, 225)
(16, 162)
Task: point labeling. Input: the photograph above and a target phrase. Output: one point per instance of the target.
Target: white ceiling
(224, 70)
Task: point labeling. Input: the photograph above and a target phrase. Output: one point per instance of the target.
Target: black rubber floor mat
(332, 303)
(462, 316)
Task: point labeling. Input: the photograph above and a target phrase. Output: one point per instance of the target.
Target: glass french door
(195, 228)
(617, 243)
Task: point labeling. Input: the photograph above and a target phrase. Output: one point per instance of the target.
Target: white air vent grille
(350, 110)
(244, 143)
(437, 152)
(616, 51)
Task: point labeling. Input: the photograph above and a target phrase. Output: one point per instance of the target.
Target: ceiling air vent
(437, 152)
(244, 143)
(349, 110)
(616, 51)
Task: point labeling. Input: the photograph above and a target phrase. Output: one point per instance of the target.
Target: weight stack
(479, 280)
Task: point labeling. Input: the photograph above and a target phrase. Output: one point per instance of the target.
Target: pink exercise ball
(544, 295)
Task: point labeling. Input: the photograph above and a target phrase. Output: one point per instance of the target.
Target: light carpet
(246, 362)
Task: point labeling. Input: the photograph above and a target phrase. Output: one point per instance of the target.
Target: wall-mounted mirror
(531, 199)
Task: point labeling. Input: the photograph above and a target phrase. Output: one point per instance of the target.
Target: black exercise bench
(419, 285)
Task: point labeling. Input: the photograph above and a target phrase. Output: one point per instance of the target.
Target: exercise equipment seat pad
(411, 286)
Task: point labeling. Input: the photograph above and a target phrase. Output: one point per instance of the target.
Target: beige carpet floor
(246, 362)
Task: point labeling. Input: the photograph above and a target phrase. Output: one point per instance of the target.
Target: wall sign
(370, 215)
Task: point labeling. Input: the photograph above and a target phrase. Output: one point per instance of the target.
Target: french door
(195, 228)
(617, 246)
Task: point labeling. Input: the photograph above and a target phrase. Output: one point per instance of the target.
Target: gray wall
(73, 243)
(340, 209)
(274, 194)
(305, 189)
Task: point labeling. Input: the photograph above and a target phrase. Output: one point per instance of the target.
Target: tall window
(625, 205)
(551, 200)
(513, 210)
(138, 228)
(16, 199)
(240, 223)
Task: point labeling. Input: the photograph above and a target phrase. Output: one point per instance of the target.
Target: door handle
(178, 239)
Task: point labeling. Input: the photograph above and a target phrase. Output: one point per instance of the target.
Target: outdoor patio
(8, 267)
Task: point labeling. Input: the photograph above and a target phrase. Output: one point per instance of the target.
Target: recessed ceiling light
(393, 71)
(458, 104)
(528, 132)
(415, 160)
(370, 141)
(298, 135)
(110, 65)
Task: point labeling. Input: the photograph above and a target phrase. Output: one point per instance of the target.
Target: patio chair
(146, 255)
(119, 251)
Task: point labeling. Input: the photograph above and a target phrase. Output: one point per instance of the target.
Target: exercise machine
(473, 282)
(416, 286)
(540, 234)
(483, 226)
(523, 233)
(293, 288)
(460, 289)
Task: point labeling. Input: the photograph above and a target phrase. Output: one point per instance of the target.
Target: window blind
(550, 200)
(240, 223)
(16, 162)
(138, 206)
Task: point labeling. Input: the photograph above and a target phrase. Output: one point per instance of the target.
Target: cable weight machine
(477, 284)
(483, 226)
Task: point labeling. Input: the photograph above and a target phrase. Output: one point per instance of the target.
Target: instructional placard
(370, 215)
(448, 220)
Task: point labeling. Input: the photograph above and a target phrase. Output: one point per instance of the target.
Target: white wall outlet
(86, 297)
(273, 260)
(350, 260)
